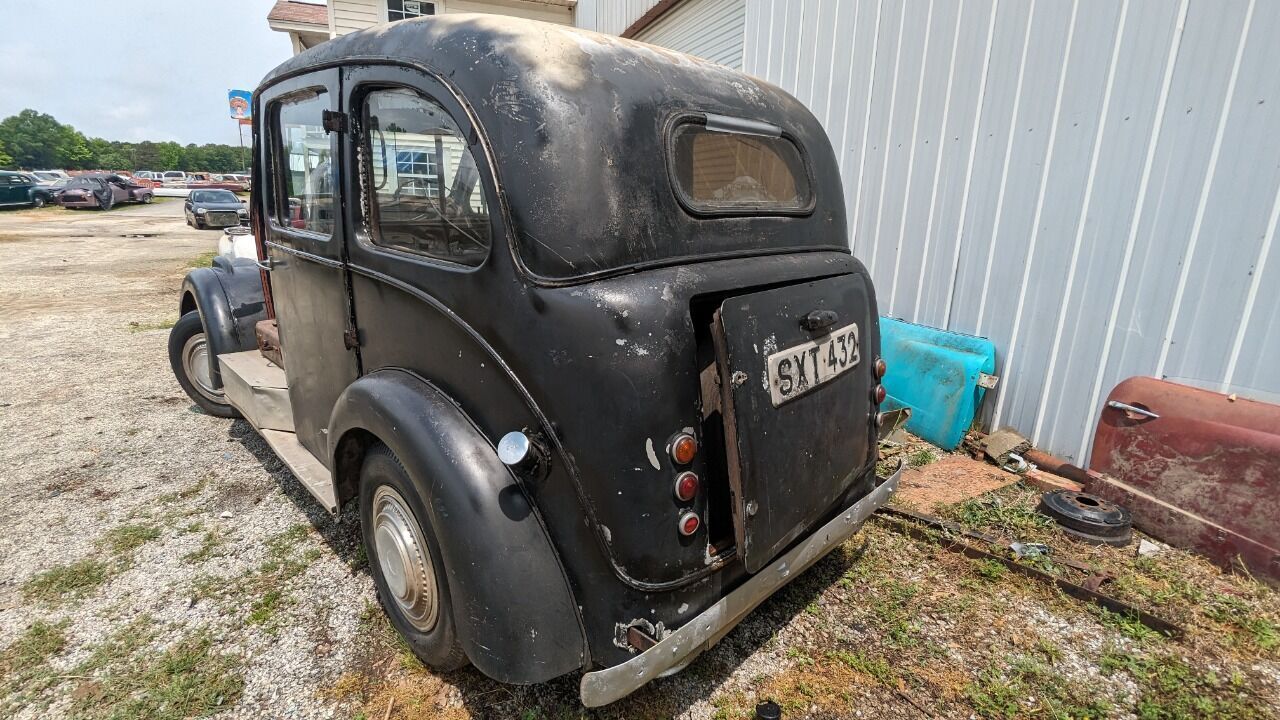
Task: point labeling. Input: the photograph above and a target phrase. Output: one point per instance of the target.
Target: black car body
(46, 193)
(215, 209)
(578, 309)
(103, 191)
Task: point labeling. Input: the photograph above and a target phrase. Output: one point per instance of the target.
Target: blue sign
(241, 102)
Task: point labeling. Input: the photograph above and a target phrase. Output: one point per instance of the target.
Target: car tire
(199, 224)
(146, 199)
(188, 356)
(38, 201)
(416, 597)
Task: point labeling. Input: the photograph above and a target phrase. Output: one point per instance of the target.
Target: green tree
(6, 160)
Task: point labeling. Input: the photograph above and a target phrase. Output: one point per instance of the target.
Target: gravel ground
(158, 562)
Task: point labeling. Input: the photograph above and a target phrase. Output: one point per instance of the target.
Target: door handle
(267, 265)
(818, 320)
(1131, 410)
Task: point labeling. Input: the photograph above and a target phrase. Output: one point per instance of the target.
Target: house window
(404, 9)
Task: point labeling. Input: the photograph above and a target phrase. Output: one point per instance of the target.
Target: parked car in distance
(103, 191)
(15, 188)
(50, 175)
(173, 176)
(594, 408)
(215, 209)
(48, 192)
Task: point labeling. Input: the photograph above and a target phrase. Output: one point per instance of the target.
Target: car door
(8, 189)
(304, 241)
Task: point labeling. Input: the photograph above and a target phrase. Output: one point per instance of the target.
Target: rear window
(734, 166)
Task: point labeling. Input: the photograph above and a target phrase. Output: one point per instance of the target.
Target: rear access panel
(795, 396)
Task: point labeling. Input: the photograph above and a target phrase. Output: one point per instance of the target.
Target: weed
(264, 608)
(137, 327)
(921, 457)
(210, 547)
(875, 667)
(203, 259)
(1171, 689)
(186, 493)
(74, 580)
(1128, 624)
(1026, 688)
(187, 680)
(991, 569)
(1013, 518)
(124, 539)
(24, 671)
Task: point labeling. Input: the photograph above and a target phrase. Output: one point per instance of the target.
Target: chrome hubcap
(195, 361)
(404, 559)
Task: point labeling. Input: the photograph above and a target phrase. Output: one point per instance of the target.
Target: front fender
(230, 300)
(514, 611)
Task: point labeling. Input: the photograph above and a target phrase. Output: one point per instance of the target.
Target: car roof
(549, 91)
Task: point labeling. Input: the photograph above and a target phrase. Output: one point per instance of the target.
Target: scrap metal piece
(1001, 445)
(1090, 518)
(1080, 592)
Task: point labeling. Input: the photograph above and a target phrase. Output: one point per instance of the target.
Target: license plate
(802, 368)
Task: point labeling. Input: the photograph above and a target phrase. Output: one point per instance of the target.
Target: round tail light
(878, 394)
(686, 486)
(689, 523)
(882, 367)
(683, 448)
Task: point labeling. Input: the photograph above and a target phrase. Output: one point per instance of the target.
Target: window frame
(277, 156)
(369, 233)
(385, 7)
(702, 210)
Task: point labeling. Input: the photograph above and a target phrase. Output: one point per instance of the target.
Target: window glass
(304, 172)
(730, 171)
(401, 9)
(425, 187)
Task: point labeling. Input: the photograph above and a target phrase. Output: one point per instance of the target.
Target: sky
(131, 71)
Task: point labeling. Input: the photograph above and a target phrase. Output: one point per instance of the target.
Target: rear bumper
(611, 684)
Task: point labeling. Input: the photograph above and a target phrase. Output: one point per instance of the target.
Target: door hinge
(333, 121)
(351, 338)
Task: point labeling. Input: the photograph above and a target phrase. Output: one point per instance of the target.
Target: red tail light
(878, 394)
(689, 523)
(882, 367)
(686, 486)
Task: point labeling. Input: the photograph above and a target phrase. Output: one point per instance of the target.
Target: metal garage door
(711, 29)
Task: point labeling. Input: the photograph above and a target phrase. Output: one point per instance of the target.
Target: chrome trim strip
(611, 684)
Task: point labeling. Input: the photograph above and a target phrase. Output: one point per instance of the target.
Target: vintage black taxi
(572, 318)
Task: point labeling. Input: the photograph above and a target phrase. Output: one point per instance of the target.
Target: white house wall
(711, 29)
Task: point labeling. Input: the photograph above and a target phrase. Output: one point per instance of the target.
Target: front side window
(425, 189)
(403, 9)
(718, 169)
(302, 167)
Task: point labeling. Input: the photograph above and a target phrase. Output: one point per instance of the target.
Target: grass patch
(990, 569)
(210, 547)
(124, 539)
(70, 581)
(137, 327)
(1010, 517)
(185, 493)
(24, 670)
(1025, 687)
(264, 608)
(1172, 690)
(921, 457)
(189, 679)
(203, 259)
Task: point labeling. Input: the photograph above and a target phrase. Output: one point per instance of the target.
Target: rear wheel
(404, 559)
(189, 357)
(38, 201)
(146, 199)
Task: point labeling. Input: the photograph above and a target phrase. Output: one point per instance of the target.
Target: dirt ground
(156, 562)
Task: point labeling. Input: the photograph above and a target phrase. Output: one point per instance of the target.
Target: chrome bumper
(611, 684)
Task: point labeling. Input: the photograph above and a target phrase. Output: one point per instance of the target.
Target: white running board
(257, 388)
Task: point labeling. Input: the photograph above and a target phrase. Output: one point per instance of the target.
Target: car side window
(424, 186)
(302, 165)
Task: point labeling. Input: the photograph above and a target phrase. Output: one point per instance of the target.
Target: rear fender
(230, 300)
(514, 611)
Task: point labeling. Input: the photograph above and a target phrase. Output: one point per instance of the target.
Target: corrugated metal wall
(610, 16)
(1094, 185)
(711, 29)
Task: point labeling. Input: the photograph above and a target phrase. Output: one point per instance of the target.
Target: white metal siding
(1094, 185)
(610, 16)
(710, 29)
